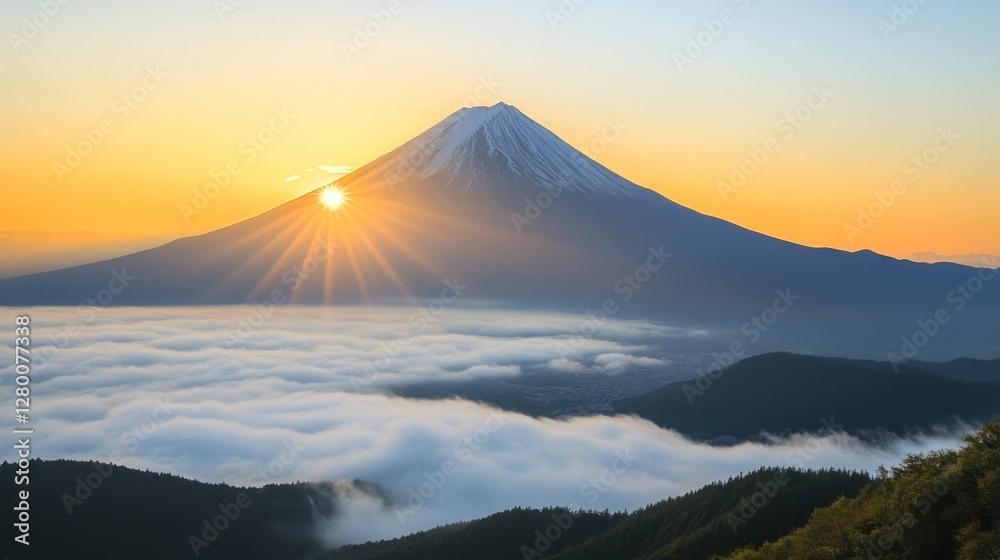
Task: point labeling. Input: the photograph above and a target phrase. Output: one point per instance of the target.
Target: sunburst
(333, 197)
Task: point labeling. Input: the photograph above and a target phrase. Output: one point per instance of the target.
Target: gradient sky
(223, 76)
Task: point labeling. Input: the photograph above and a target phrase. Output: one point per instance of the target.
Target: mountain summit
(496, 210)
(498, 145)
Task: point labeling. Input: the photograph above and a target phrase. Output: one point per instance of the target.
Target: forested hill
(788, 393)
(943, 505)
(96, 510)
(716, 519)
(500, 536)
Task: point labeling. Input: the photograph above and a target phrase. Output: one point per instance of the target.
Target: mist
(165, 389)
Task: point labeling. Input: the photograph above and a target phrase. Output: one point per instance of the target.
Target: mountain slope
(693, 526)
(964, 369)
(500, 536)
(485, 147)
(98, 510)
(749, 508)
(783, 393)
(495, 201)
(935, 506)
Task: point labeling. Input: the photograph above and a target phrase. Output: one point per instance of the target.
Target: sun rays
(333, 197)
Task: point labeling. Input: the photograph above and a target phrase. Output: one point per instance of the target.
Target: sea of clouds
(217, 394)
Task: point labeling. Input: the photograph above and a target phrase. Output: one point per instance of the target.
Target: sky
(116, 114)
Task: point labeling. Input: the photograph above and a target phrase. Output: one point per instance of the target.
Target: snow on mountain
(485, 146)
(460, 204)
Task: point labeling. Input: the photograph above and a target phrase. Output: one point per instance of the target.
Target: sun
(333, 197)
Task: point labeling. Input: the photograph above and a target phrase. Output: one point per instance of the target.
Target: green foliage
(715, 519)
(939, 505)
(942, 505)
(720, 517)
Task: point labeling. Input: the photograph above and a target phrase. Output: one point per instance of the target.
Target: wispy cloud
(334, 169)
(230, 410)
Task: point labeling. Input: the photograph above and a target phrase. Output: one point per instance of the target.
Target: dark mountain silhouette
(499, 536)
(964, 369)
(97, 510)
(787, 393)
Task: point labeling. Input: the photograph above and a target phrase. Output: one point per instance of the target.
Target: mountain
(939, 505)
(497, 537)
(88, 509)
(968, 370)
(28, 252)
(964, 369)
(713, 520)
(746, 509)
(492, 204)
(786, 393)
(491, 147)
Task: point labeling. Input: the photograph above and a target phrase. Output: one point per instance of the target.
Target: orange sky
(180, 90)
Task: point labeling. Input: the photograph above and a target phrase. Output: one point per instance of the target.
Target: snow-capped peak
(457, 129)
(481, 146)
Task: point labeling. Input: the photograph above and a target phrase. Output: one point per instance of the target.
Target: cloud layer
(169, 390)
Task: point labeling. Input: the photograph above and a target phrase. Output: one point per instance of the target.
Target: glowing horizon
(800, 122)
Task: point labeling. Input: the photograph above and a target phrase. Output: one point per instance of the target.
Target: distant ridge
(784, 393)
